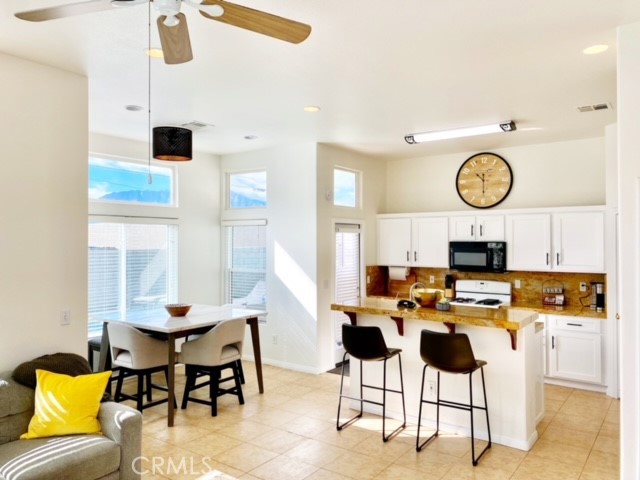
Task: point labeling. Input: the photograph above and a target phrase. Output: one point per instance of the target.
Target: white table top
(158, 320)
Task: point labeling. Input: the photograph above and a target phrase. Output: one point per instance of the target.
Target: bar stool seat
(366, 343)
(451, 353)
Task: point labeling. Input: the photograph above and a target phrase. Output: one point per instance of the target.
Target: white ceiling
(378, 70)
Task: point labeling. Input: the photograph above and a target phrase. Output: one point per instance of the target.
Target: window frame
(119, 206)
(358, 187)
(227, 189)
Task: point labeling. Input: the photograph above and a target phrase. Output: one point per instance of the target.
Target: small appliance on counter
(449, 283)
(597, 296)
(482, 293)
(553, 295)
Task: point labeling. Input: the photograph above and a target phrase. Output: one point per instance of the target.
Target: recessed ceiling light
(250, 137)
(154, 52)
(595, 49)
(311, 108)
(134, 108)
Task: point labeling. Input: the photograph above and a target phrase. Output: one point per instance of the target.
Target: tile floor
(289, 434)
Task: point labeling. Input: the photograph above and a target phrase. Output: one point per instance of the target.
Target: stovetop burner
(463, 300)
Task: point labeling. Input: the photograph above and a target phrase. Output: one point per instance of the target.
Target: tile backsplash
(529, 293)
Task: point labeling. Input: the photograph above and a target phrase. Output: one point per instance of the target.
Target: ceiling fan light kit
(173, 144)
(502, 127)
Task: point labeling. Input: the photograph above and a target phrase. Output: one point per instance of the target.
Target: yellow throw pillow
(66, 405)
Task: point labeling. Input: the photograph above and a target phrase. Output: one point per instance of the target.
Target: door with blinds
(347, 277)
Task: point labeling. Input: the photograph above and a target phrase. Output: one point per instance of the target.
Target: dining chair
(209, 355)
(141, 355)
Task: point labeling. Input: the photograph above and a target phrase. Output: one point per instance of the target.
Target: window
(245, 264)
(131, 267)
(128, 182)
(346, 188)
(247, 189)
(347, 277)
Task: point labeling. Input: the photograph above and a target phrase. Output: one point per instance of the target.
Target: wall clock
(484, 180)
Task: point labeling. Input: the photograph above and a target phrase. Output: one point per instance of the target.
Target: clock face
(484, 180)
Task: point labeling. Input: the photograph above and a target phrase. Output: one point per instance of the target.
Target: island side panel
(510, 377)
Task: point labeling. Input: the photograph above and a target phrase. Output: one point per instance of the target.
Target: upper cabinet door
(490, 228)
(462, 228)
(485, 227)
(578, 242)
(430, 242)
(394, 241)
(528, 242)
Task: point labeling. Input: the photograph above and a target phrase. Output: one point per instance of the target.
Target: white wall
(547, 175)
(198, 215)
(291, 251)
(43, 212)
(629, 263)
(372, 173)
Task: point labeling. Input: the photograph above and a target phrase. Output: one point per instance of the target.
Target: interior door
(347, 277)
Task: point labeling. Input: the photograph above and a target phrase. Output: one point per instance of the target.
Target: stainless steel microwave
(478, 256)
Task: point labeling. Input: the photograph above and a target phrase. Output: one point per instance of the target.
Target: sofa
(109, 456)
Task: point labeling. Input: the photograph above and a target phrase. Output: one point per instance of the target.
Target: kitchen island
(514, 375)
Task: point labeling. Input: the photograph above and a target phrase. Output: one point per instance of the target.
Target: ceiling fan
(172, 25)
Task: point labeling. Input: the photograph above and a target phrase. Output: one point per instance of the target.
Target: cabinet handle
(557, 258)
(575, 324)
(472, 230)
(480, 230)
(553, 342)
(407, 255)
(547, 258)
(415, 256)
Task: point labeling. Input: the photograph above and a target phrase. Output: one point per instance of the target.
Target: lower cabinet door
(575, 356)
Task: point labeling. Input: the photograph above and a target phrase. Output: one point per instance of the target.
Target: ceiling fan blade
(62, 11)
(176, 45)
(259, 22)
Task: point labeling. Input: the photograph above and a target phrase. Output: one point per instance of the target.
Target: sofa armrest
(123, 425)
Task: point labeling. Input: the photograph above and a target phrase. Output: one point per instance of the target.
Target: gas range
(482, 293)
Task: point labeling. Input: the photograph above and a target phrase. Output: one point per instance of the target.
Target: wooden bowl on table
(177, 309)
(426, 297)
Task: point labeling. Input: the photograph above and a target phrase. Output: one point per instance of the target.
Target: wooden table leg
(255, 340)
(171, 378)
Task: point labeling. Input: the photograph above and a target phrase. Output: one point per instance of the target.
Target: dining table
(199, 319)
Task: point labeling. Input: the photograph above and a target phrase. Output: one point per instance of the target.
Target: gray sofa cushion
(16, 408)
(73, 457)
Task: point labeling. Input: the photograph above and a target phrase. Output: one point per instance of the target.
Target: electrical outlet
(65, 317)
(583, 286)
(431, 385)
(274, 339)
(368, 279)
(518, 284)
(432, 279)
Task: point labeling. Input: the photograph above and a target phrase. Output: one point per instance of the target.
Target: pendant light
(172, 144)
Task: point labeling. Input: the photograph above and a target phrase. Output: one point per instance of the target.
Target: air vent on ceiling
(593, 108)
(196, 125)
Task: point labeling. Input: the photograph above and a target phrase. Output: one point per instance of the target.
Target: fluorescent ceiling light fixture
(508, 126)
(595, 49)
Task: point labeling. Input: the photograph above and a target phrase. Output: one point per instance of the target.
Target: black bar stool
(451, 353)
(367, 345)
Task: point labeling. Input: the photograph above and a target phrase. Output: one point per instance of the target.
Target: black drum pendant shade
(172, 144)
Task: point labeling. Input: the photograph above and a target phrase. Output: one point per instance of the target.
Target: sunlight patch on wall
(295, 279)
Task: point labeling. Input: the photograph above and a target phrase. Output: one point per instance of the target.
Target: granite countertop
(506, 318)
(573, 311)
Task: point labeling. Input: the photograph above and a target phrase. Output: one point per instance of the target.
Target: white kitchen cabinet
(430, 242)
(578, 242)
(413, 241)
(528, 241)
(394, 241)
(471, 227)
(574, 348)
(560, 241)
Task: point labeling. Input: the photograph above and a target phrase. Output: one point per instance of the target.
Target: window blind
(347, 277)
(131, 267)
